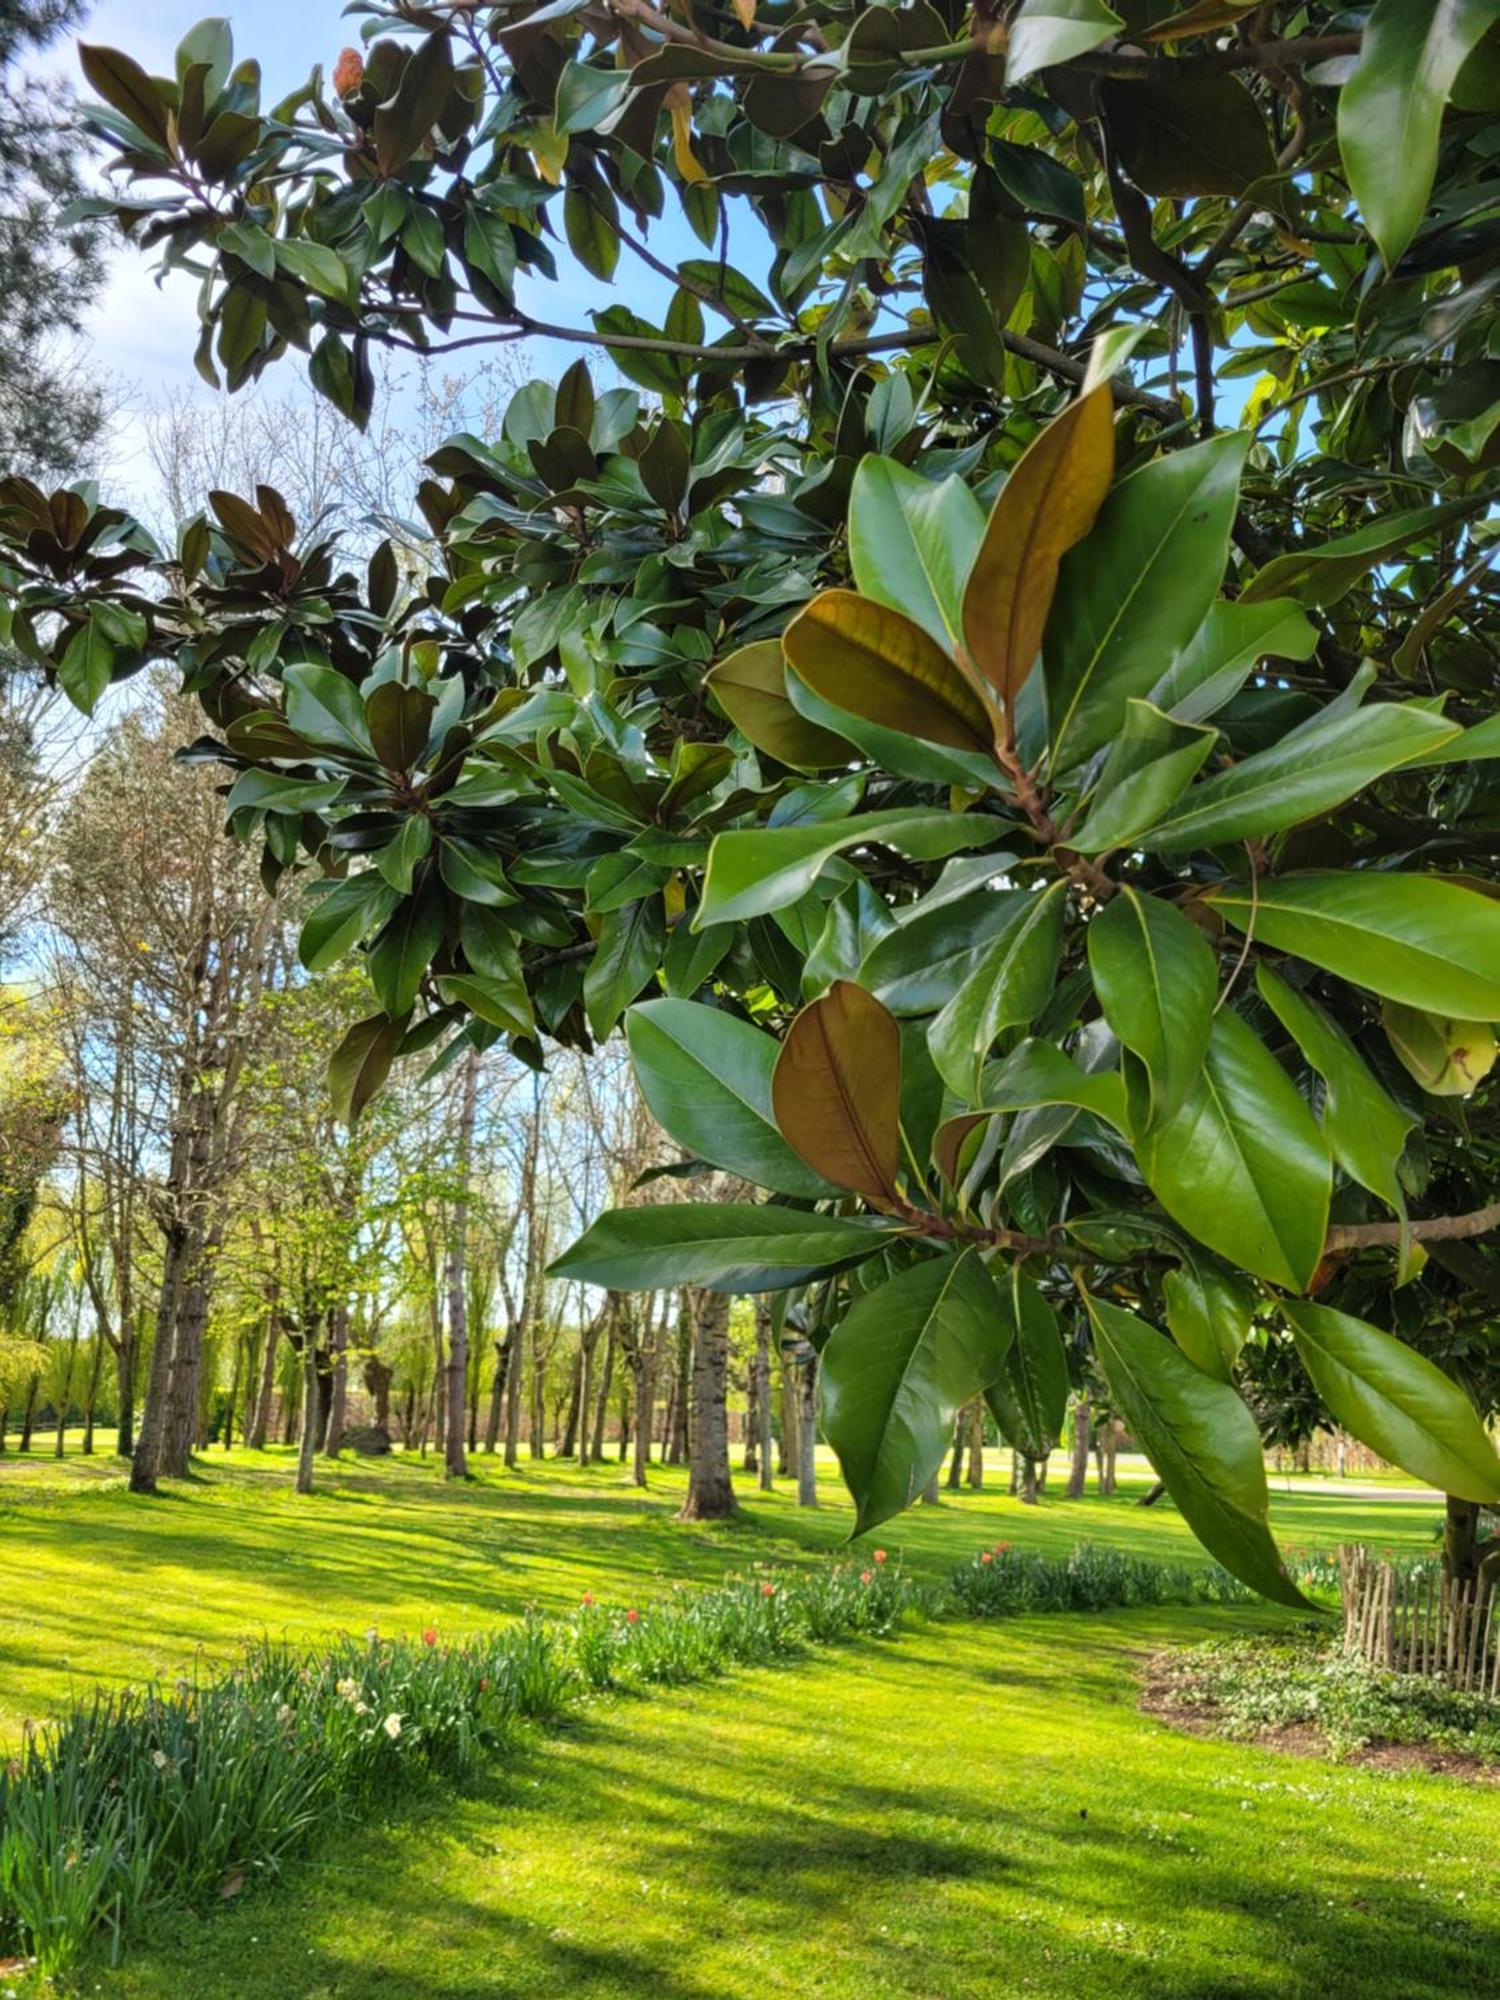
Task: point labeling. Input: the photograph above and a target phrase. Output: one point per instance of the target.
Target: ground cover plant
(1261, 1689)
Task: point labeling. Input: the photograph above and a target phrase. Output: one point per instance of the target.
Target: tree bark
(307, 1442)
(1460, 1539)
(338, 1384)
(257, 1436)
(497, 1396)
(807, 1429)
(765, 1466)
(976, 1444)
(455, 1459)
(710, 1494)
(1078, 1469)
(606, 1384)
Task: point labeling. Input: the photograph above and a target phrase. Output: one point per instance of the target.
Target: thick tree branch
(1346, 1236)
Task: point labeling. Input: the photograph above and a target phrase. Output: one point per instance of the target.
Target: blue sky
(143, 334)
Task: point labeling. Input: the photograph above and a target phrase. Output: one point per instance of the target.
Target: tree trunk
(956, 1462)
(257, 1437)
(710, 1494)
(786, 1456)
(338, 1383)
(1460, 1539)
(765, 1468)
(606, 1384)
(145, 1464)
(95, 1370)
(976, 1444)
(642, 1368)
(1028, 1479)
(125, 1353)
(455, 1459)
(807, 1430)
(1078, 1470)
(28, 1418)
(931, 1496)
(497, 1396)
(307, 1442)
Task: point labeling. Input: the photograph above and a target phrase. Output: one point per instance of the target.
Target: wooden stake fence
(1420, 1622)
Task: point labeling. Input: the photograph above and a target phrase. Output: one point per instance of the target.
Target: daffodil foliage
(994, 691)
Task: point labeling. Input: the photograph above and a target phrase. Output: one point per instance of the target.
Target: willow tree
(998, 699)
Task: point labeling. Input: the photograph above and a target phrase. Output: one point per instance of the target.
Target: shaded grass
(964, 1812)
(102, 1586)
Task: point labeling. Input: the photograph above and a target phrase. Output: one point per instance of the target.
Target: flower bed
(144, 1797)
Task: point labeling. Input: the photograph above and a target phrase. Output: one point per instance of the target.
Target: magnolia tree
(1042, 836)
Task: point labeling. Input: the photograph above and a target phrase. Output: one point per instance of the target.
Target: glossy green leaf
(494, 1001)
(1321, 574)
(327, 709)
(755, 871)
(917, 967)
(1189, 135)
(1309, 772)
(343, 914)
(87, 665)
(397, 860)
(873, 661)
(725, 1246)
(360, 1064)
(750, 686)
(1131, 595)
(911, 542)
(707, 1078)
(1397, 1402)
(628, 950)
(1029, 1397)
(1226, 649)
(1203, 1443)
(1156, 979)
(896, 1371)
(400, 955)
(1008, 987)
(1045, 32)
(1037, 1072)
(403, 124)
(894, 750)
(1209, 1310)
(1366, 1128)
(1150, 765)
(1241, 1164)
(1427, 942)
(1391, 108)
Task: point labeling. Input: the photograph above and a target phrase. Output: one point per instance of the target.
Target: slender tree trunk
(807, 1430)
(338, 1384)
(307, 1442)
(96, 1368)
(234, 1392)
(679, 1446)
(29, 1417)
(257, 1437)
(1078, 1470)
(645, 1401)
(146, 1462)
(931, 1496)
(956, 1462)
(497, 1396)
(125, 1354)
(976, 1444)
(765, 1469)
(787, 1456)
(710, 1494)
(606, 1384)
(455, 1460)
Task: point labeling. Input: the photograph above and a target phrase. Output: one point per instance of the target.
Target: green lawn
(967, 1811)
(101, 1584)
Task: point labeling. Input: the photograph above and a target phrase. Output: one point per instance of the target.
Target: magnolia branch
(1345, 1236)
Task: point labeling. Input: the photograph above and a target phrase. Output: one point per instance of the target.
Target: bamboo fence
(1421, 1622)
